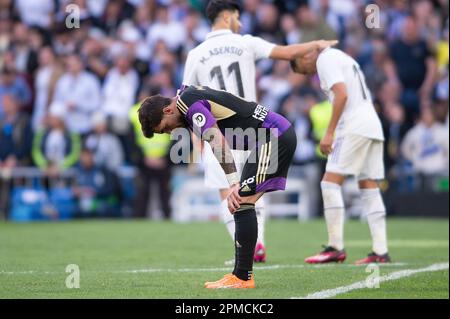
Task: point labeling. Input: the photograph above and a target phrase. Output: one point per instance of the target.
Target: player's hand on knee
(234, 200)
(326, 144)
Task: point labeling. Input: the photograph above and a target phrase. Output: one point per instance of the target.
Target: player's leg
(215, 179)
(334, 213)
(265, 170)
(260, 249)
(334, 210)
(372, 201)
(347, 158)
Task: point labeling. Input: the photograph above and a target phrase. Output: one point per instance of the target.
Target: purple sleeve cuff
(199, 116)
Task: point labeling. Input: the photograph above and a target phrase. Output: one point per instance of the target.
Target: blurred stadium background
(70, 141)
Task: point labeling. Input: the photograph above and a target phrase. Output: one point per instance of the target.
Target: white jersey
(226, 61)
(359, 116)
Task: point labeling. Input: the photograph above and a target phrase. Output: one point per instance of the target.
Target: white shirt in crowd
(172, 33)
(108, 151)
(36, 12)
(226, 61)
(55, 147)
(84, 92)
(119, 91)
(41, 84)
(427, 148)
(359, 116)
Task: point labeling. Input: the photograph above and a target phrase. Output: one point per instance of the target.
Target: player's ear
(226, 16)
(167, 110)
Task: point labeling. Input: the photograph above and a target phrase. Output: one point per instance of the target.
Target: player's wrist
(232, 178)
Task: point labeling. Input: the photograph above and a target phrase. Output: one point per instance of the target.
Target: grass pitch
(145, 259)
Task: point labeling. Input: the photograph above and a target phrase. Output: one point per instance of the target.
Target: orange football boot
(232, 282)
(218, 281)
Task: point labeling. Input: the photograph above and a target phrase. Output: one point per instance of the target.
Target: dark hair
(215, 8)
(151, 112)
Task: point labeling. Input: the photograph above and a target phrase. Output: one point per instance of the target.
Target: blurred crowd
(69, 92)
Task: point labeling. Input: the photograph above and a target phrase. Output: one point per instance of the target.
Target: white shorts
(358, 156)
(214, 174)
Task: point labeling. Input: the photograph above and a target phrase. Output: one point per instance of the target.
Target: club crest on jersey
(260, 112)
(199, 119)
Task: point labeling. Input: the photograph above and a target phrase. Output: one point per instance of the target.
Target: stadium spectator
(267, 23)
(36, 13)
(96, 188)
(63, 41)
(13, 84)
(15, 135)
(290, 30)
(154, 167)
(114, 13)
(275, 86)
(313, 27)
(105, 146)
(380, 68)
(15, 146)
(426, 146)
(54, 147)
(163, 26)
(119, 93)
(49, 71)
(93, 52)
(394, 129)
(78, 91)
(24, 55)
(416, 68)
(248, 17)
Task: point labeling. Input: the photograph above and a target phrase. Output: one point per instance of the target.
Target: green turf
(33, 259)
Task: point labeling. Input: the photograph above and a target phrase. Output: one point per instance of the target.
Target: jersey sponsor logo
(199, 119)
(260, 113)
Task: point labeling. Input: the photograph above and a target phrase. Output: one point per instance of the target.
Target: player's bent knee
(333, 178)
(245, 207)
(367, 183)
(250, 198)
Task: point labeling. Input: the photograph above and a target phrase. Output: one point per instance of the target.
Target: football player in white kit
(354, 146)
(226, 61)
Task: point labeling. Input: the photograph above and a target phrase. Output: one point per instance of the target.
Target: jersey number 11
(232, 68)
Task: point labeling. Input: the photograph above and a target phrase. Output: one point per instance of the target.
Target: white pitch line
(272, 267)
(362, 284)
(216, 269)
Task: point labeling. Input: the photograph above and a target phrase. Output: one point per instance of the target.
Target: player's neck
(220, 27)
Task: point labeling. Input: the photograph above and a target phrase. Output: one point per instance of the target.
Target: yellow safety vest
(157, 146)
(320, 115)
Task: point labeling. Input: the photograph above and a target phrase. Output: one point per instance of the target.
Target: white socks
(260, 208)
(333, 204)
(376, 217)
(228, 219)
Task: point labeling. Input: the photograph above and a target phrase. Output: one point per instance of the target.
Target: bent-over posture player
(269, 137)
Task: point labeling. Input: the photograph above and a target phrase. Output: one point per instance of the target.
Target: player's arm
(339, 101)
(225, 158)
(293, 51)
